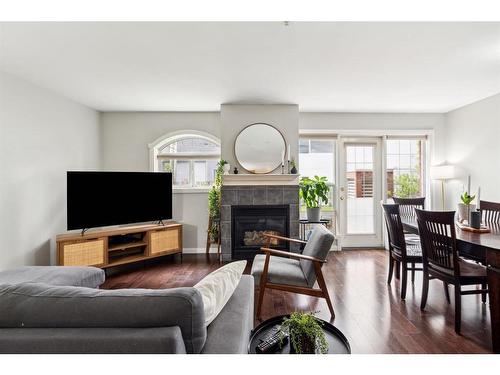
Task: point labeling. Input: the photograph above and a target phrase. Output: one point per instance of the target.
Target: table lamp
(443, 173)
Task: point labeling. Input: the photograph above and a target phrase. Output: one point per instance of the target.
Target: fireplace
(249, 223)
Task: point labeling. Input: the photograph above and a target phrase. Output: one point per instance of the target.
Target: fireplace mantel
(260, 179)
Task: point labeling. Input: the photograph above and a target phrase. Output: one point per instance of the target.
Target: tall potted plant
(214, 196)
(314, 192)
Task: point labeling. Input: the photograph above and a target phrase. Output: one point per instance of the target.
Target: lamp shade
(443, 172)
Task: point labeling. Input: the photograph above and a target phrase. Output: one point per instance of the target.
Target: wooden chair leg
(425, 290)
(322, 286)
(458, 308)
(404, 275)
(446, 291)
(262, 284)
(398, 267)
(391, 269)
(413, 273)
(207, 250)
(483, 295)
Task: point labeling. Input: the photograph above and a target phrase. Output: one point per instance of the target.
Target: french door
(360, 191)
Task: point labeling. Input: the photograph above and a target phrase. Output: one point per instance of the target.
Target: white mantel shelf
(260, 179)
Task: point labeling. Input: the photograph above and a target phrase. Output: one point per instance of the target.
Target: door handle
(341, 198)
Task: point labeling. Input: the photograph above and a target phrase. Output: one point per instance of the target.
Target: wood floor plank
(368, 310)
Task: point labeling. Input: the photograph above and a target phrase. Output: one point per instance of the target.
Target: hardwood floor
(368, 311)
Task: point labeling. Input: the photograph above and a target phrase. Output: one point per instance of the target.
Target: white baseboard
(194, 250)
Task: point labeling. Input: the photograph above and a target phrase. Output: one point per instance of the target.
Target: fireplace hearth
(249, 223)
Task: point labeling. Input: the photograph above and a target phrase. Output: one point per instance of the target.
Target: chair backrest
(490, 211)
(438, 240)
(407, 206)
(318, 246)
(395, 231)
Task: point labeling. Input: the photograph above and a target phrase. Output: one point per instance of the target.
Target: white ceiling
(176, 66)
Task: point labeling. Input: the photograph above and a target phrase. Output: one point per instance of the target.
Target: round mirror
(259, 148)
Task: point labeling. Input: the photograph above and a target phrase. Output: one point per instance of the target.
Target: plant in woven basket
(214, 196)
(305, 332)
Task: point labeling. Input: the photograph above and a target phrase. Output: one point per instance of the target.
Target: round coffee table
(337, 342)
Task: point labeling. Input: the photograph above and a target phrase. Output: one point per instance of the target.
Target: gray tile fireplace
(248, 210)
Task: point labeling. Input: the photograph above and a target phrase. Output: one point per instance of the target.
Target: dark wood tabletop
(485, 240)
(485, 248)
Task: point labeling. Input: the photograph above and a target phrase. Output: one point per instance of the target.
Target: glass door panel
(359, 193)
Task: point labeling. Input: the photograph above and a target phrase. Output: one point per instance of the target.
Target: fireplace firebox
(249, 224)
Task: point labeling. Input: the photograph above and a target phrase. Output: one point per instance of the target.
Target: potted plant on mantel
(465, 207)
(314, 192)
(305, 332)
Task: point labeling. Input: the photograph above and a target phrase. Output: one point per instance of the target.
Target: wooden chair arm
(284, 238)
(282, 253)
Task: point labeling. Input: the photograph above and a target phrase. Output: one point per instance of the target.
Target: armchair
(293, 272)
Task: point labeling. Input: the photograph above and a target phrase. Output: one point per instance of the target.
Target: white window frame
(159, 143)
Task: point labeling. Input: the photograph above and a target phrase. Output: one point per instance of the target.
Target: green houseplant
(305, 332)
(465, 207)
(314, 192)
(293, 166)
(214, 196)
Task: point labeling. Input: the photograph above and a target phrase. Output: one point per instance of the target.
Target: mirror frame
(242, 130)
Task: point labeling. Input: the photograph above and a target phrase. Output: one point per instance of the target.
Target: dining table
(483, 248)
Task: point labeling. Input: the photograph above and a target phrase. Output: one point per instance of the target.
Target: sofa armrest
(34, 305)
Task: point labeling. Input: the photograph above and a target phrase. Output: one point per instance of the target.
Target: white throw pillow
(217, 287)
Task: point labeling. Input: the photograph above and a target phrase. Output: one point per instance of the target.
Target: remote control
(271, 341)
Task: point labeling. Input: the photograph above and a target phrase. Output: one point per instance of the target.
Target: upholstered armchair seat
(281, 271)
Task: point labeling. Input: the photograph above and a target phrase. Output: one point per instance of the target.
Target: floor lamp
(443, 173)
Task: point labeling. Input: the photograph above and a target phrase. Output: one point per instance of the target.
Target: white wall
(125, 137)
(373, 123)
(42, 135)
(473, 144)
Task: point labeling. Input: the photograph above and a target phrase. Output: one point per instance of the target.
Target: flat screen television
(97, 199)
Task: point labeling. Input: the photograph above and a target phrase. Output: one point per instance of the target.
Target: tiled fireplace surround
(257, 195)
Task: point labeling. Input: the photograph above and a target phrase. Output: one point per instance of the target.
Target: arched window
(191, 156)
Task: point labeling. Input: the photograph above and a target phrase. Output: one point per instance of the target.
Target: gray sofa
(36, 317)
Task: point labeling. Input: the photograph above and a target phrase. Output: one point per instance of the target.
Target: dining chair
(294, 272)
(442, 261)
(407, 206)
(406, 252)
(490, 211)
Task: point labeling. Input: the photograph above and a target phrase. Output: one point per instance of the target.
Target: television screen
(96, 199)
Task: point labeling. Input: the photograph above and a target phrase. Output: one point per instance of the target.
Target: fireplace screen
(250, 223)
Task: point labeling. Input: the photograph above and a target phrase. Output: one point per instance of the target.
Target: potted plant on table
(305, 332)
(314, 192)
(465, 207)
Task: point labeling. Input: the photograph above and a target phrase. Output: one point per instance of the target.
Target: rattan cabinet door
(165, 241)
(83, 253)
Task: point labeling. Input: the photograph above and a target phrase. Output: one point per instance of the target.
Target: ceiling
(195, 66)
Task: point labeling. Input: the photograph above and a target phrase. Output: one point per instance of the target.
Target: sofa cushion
(217, 287)
(164, 340)
(90, 277)
(33, 305)
(230, 331)
(281, 270)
